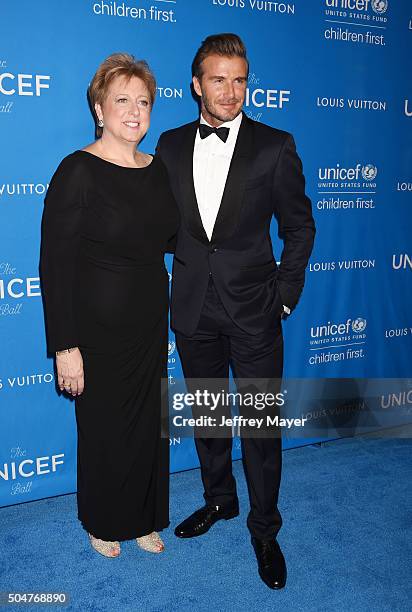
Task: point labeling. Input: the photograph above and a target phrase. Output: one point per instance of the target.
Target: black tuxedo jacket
(265, 178)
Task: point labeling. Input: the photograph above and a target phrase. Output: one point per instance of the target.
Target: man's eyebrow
(221, 76)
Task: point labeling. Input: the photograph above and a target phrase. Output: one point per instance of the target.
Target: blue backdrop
(336, 73)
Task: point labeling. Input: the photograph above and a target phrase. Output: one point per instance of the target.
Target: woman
(109, 214)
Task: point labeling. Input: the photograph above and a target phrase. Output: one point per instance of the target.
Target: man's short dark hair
(229, 45)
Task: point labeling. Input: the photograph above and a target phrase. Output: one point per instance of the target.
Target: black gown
(105, 230)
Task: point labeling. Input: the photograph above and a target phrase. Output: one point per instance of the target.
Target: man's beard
(220, 116)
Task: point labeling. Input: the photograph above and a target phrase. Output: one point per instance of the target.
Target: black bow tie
(206, 130)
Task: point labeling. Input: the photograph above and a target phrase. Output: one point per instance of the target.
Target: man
(229, 175)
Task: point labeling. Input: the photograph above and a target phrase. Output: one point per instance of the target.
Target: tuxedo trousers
(217, 345)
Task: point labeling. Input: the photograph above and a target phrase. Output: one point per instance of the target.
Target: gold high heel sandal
(107, 549)
(151, 542)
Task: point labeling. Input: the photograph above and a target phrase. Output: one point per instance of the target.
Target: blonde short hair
(118, 65)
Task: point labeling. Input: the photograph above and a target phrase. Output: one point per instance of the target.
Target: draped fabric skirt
(123, 463)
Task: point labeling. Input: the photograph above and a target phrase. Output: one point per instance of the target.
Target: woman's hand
(70, 376)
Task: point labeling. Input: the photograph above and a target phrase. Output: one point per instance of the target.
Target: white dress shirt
(211, 161)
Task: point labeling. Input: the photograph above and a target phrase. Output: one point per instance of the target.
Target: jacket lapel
(230, 206)
(187, 188)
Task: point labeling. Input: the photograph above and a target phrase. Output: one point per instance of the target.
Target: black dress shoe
(202, 520)
(271, 563)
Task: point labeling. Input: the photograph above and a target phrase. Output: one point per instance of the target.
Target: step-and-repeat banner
(335, 73)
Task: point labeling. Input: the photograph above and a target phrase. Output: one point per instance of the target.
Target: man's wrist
(68, 350)
(285, 313)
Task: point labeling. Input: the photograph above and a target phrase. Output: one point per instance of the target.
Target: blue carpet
(346, 538)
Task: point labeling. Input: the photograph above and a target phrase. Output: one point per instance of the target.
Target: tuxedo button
(214, 250)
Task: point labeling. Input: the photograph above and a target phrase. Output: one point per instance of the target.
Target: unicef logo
(369, 172)
(171, 347)
(380, 6)
(359, 325)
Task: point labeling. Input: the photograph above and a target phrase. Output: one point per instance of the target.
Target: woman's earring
(100, 123)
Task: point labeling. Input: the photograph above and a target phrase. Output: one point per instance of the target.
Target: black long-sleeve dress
(105, 230)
